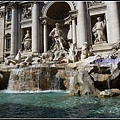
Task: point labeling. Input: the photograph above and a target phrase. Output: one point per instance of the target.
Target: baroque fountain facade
(65, 62)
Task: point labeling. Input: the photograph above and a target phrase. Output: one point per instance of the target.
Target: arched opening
(58, 11)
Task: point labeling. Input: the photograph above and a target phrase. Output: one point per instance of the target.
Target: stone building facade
(76, 19)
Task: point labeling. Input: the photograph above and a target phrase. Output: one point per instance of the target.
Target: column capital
(32, 4)
(13, 4)
(73, 17)
(73, 14)
(44, 22)
(69, 23)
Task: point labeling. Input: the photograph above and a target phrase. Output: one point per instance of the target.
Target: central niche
(58, 11)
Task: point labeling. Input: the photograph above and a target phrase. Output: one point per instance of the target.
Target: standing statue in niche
(98, 31)
(26, 41)
(58, 40)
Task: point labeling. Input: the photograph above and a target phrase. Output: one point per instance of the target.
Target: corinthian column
(45, 35)
(81, 24)
(74, 30)
(13, 49)
(35, 27)
(70, 30)
(113, 28)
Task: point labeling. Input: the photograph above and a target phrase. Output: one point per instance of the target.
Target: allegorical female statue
(27, 41)
(98, 31)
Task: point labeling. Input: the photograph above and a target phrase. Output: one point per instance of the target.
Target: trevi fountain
(64, 82)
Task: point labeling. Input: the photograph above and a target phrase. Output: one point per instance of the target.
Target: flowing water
(56, 104)
(71, 87)
(18, 101)
(34, 78)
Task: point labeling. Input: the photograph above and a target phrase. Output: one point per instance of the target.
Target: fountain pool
(56, 104)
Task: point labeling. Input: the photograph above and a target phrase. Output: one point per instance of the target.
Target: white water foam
(44, 91)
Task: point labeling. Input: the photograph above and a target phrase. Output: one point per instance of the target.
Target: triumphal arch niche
(65, 14)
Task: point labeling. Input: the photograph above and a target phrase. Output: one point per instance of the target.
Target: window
(9, 15)
(7, 42)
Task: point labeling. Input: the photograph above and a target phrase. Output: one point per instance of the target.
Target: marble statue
(47, 56)
(84, 52)
(29, 58)
(113, 54)
(91, 51)
(27, 41)
(71, 54)
(14, 61)
(50, 53)
(19, 61)
(28, 61)
(57, 36)
(26, 13)
(59, 55)
(18, 56)
(6, 61)
(98, 31)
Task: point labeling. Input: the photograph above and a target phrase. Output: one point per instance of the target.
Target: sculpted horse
(14, 61)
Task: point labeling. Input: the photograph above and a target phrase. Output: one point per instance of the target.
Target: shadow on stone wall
(102, 85)
(4, 79)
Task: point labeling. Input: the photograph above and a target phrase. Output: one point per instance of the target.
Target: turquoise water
(57, 104)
